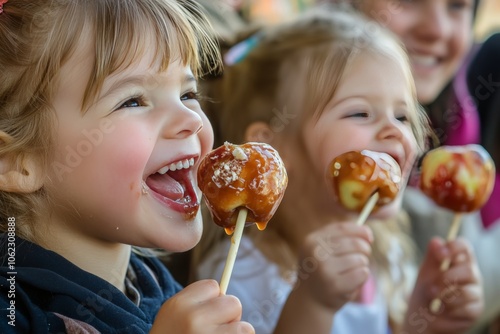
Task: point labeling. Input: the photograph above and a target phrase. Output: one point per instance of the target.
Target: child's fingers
(457, 297)
(436, 253)
(352, 280)
(350, 262)
(453, 295)
(331, 234)
(460, 274)
(350, 245)
(459, 245)
(222, 309)
(236, 328)
(201, 290)
(450, 325)
(458, 250)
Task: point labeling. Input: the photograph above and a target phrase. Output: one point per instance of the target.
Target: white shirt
(263, 292)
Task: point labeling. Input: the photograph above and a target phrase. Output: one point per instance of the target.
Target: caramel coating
(459, 178)
(356, 176)
(251, 175)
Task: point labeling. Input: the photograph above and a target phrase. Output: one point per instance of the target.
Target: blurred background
(270, 11)
(488, 19)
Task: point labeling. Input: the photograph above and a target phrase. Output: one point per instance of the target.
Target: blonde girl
(100, 137)
(324, 84)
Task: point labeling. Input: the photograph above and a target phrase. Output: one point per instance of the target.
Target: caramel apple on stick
(364, 181)
(242, 185)
(458, 178)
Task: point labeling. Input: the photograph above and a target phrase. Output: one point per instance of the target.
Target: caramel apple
(356, 176)
(459, 178)
(250, 176)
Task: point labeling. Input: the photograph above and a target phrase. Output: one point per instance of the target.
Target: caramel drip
(229, 230)
(261, 226)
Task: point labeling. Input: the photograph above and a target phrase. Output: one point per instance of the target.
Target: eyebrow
(399, 103)
(138, 80)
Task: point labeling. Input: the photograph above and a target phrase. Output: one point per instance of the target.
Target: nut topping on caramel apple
(459, 178)
(356, 176)
(249, 176)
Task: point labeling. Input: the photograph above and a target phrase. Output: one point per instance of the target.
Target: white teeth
(423, 60)
(183, 164)
(163, 170)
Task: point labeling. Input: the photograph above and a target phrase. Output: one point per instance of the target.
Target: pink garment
(368, 290)
(465, 128)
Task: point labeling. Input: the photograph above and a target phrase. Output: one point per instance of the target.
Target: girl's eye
(133, 102)
(459, 5)
(403, 119)
(406, 1)
(359, 115)
(190, 96)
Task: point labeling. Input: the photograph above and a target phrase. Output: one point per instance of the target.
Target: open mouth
(173, 186)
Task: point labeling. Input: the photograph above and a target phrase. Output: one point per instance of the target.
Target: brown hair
(38, 37)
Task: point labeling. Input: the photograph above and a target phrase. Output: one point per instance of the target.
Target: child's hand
(335, 263)
(459, 289)
(200, 308)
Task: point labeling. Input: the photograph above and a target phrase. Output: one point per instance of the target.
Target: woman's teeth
(423, 60)
(183, 164)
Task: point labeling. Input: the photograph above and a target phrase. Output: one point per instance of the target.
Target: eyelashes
(139, 100)
(132, 102)
(191, 95)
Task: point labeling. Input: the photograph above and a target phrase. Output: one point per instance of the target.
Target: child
(100, 137)
(315, 88)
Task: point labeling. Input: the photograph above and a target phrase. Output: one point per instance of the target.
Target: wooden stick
(452, 235)
(233, 250)
(445, 265)
(367, 209)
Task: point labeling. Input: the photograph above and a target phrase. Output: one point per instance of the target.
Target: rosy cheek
(206, 137)
(126, 152)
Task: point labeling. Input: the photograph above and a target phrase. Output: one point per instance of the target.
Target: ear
(262, 132)
(259, 132)
(18, 173)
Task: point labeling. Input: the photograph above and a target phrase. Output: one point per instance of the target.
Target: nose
(390, 129)
(183, 123)
(434, 22)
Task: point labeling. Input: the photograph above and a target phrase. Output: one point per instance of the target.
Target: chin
(184, 237)
(425, 97)
(388, 211)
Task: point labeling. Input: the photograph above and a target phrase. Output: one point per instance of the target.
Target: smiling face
(436, 33)
(372, 109)
(124, 169)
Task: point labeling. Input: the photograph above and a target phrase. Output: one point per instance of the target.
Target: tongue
(165, 186)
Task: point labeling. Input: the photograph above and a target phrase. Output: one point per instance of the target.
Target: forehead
(375, 73)
(97, 57)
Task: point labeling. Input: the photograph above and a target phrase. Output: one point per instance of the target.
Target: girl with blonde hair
(322, 85)
(100, 137)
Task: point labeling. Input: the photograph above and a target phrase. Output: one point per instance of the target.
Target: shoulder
(20, 311)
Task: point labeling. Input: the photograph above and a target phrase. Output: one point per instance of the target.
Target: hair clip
(239, 51)
(2, 2)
